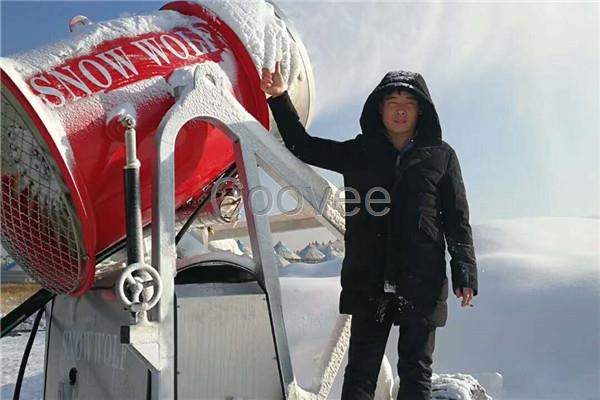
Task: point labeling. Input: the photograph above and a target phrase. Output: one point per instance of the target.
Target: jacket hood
(428, 129)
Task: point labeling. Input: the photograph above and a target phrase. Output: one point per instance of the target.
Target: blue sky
(516, 84)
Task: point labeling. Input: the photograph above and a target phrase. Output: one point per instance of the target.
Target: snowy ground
(535, 322)
(12, 348)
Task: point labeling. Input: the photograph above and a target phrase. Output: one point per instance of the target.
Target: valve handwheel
(132, 283)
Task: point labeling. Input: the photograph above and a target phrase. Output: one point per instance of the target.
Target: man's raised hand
(272, 83)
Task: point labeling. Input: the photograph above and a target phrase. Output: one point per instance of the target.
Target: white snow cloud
(351, 44)
(516, 85)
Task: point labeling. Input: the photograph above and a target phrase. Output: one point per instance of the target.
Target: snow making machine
(116, 142)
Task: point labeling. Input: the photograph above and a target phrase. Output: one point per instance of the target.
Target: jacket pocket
(427, 225)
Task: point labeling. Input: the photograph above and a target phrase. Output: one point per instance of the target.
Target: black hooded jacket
(404, 246)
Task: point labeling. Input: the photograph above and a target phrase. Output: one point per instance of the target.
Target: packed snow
(325, 269)
(532, 335)
(86, 38)
(12, 348)
(265, 35)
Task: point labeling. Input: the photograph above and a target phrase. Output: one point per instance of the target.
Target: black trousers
(368, 338)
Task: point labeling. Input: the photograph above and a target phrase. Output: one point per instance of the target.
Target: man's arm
(455, 216)
(323, 153)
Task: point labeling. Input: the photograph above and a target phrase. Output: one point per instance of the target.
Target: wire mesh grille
(38, 228)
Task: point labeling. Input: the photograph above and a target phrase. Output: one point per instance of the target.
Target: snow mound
(324, 269)
(280, 262)
(284, 251)
(331, 253)
(311, 254)
(230, 245)
(454, 387)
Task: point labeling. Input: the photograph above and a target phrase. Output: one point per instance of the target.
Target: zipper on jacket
(389, 287)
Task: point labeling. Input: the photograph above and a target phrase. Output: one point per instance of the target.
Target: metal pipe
(133, 202)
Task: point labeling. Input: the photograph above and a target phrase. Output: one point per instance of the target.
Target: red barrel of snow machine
(62, 200)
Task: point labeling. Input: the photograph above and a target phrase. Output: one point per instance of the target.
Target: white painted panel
(225, 344)
(85, 334)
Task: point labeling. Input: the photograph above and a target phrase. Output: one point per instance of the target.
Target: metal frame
(210, 99)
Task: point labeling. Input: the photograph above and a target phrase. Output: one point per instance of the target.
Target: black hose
(24, 310)
(19, 382)
(191, 219)
(230, 173)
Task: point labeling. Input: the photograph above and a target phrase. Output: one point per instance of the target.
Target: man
(394, 270)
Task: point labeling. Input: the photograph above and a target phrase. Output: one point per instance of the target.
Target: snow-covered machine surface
(218, 328)
(63, 151)
(176, 92)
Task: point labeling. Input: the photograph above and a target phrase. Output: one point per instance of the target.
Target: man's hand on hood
(272, 83)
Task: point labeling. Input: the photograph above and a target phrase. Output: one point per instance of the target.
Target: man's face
(399, 113)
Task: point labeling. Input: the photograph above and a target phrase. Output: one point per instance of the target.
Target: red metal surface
(78, 195)
(94, 175)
